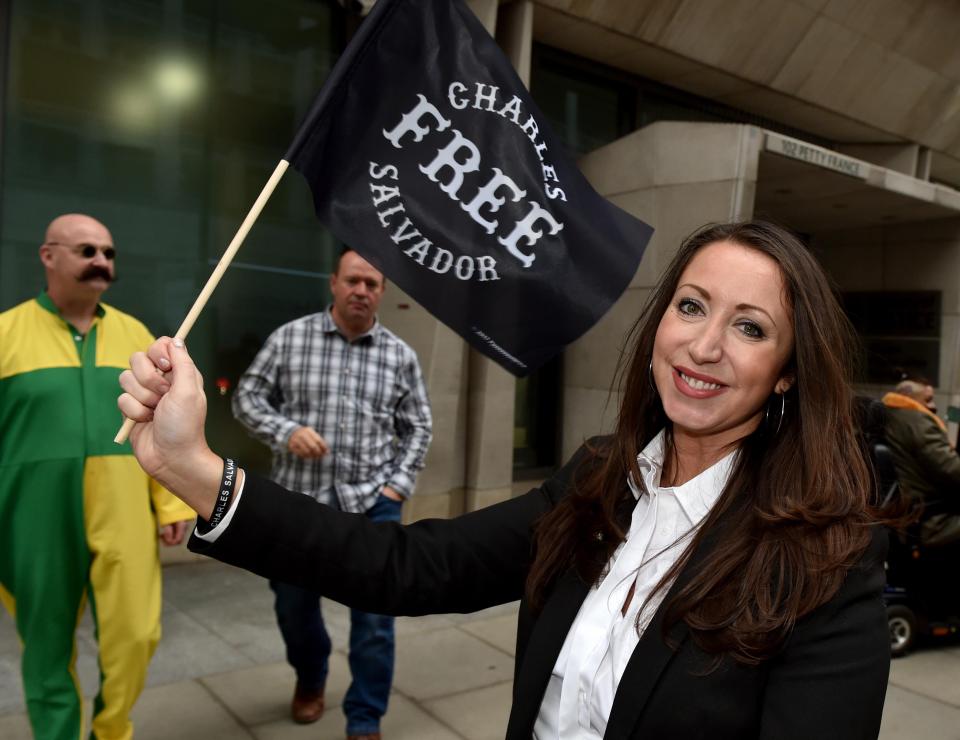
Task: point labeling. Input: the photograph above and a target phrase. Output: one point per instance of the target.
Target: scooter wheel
(903, 629)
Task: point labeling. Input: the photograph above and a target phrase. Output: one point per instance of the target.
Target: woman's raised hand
(164, 395)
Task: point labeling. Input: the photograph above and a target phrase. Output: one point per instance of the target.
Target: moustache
(93, 272)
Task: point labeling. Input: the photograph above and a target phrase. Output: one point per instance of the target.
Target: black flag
(426, 154)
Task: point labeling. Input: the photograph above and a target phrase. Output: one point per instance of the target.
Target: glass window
(585, 109)
(164, 120)
(900, 331)
(537, 422)
(590, 104)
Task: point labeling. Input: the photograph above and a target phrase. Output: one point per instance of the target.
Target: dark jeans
(371, 644)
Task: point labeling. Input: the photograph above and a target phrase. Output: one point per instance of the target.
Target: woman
(709, 570)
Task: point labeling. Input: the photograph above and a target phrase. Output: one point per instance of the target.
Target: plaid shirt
(366, 398)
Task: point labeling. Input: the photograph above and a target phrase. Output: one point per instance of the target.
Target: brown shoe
(307, 705)
(368, 736)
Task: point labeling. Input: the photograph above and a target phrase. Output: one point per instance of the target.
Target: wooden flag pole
(218, 271)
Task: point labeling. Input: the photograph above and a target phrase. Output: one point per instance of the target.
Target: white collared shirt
(584, 681)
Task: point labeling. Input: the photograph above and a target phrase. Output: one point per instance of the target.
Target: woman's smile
(696, 385)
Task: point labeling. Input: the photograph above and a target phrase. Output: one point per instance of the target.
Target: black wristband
(222, 506)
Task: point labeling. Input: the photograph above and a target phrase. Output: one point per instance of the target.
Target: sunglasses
(89, 251)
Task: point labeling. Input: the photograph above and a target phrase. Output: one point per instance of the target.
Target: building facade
(164, 118)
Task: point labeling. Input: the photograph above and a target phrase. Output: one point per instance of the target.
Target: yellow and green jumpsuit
(78, 517)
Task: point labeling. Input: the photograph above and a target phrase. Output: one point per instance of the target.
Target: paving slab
(246, 598)
(480, 714)
(225, 583)
(407, 721)
(489, 613)
(249, 630)
(15, 727)
(190, 583)
(911, 716)
(189, 649)
(11, 687)
(262, 694)
(434, 664)
(179, 554)
(328, 727)
(255, 631)
(261, 643)
(429, 623)
(254, 695)
(186, 711)
(404, 721)
(501, 632)
(933, 673)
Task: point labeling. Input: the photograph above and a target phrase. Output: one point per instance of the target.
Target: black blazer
(828, 681)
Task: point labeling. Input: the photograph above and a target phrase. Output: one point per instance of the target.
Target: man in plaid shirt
(341, 402)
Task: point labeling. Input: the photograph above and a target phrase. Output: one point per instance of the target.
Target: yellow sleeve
(168, 508)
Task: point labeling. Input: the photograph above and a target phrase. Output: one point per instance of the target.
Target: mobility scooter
(922, 593)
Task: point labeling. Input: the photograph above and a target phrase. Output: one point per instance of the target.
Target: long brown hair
(791, 520)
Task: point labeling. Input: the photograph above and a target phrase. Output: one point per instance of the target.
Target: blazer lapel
(642, 673)
(652, 654)
(546, 639)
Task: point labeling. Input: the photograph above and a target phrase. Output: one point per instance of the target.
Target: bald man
(79, 520)
(920, 391)
(928, 466)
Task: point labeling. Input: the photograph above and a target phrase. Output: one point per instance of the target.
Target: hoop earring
(653, 385)
(783, 409)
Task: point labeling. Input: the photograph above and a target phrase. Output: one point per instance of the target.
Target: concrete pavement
(220, 674)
